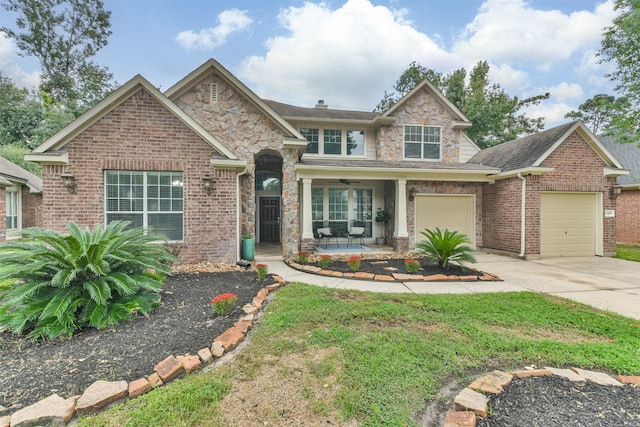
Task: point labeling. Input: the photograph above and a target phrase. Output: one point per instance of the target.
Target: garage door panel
(568, 224)
(456, 212)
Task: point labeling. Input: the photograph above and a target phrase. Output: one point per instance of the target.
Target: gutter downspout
(238, 209)
(523, 215)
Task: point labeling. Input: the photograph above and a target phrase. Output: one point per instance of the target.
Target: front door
(270, 219)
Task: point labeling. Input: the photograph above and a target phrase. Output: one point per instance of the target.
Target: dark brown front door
(270, 219)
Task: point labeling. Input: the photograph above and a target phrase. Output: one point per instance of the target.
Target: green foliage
(597, 112)
(63, 35)
(15, 154)
(493, 113)
(20, 113)
(445, 247)
(621, 46)
(55, 284)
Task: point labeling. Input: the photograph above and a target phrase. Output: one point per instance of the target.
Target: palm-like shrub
(445, 247)
(53, 284)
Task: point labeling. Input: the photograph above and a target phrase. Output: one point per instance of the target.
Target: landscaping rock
(138, 387)
(243, 325)
(250, 309)
(471, 400)
(169, 368)
(189, 362)
(597, 377)
(230, 338)
(460, 419)
(155, 380)
(205, 355)
(54, 410)
(492, 382)
(566, 373)
(5, 421)
(625, 379)
(100, 394)
(217, 350)
(532, 373)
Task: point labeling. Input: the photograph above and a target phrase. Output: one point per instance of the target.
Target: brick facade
(577, 168)
(31, 208)
(141, 134)
(628, 217)
(3, 214)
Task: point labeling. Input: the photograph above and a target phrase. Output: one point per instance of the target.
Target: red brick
(230, 338)
(460, 419)
(138, 387)
(189, 362)
(169, 368)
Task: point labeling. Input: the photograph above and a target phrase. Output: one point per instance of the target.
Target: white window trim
(350, 204)
(17, 191)
(422, 159)
(343, 142)
(144, 212)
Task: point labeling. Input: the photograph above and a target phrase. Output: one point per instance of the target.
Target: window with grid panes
(312, 137)
(332, 141)
(422, 142)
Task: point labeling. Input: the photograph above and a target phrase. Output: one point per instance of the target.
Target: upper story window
(147, 199)
(334, 142)
(422, 142)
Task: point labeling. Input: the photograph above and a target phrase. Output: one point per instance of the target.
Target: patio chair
(325, 233)
(356, 231)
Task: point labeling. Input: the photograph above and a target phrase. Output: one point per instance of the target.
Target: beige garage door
(443, 211)
(568, 224)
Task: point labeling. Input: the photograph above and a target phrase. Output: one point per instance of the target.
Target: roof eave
(611, 172)
(48, 158)
(522, 172)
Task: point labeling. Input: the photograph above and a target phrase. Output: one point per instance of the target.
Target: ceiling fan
(344, 181)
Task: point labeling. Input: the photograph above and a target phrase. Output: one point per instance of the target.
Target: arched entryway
(268, 190)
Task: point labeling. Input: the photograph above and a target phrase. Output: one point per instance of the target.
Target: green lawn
(631, 253)
(387, 353)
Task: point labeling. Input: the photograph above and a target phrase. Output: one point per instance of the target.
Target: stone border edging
(472, 402)
(56, 410)
(393, 277)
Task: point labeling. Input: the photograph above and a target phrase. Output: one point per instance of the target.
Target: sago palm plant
(445, 247)
(52, 284)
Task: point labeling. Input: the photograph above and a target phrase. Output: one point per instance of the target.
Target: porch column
(400, 228)
(307, 223)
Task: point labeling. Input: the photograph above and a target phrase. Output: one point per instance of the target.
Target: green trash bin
(248, 248)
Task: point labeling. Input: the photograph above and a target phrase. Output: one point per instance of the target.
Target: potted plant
(382, 217)
(248, 247)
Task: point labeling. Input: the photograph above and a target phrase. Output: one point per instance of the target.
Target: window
(335, 142)
(312, 140)
(331, 207)
(13, 208)
(363, 209)
(267, 181)
(147, 199)
(421, 142)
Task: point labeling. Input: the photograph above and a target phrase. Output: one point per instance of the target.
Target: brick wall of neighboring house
(501, 212)
(628, 217)
(3, 214)
(31, 208)
(421, 109)
(432, 187)
(248, 132)
(141, 134)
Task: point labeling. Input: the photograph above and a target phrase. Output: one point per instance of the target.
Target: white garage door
(444, 211)
(568, 224)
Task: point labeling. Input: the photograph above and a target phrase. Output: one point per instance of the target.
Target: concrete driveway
(606, 283)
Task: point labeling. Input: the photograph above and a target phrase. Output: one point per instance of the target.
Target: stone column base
(400, 244)
(307, 245)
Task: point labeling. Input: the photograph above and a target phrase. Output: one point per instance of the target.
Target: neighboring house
(628, 201)
(209, 161)
(20, 199)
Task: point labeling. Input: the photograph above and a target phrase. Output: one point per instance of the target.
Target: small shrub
(354, 263)
(324, 261)
(411, 265)
(224, 303)
(445, 247)
(262, 271)
(303, 257)
(55, 284)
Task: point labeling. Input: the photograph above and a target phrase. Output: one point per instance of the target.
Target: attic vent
(214, 92)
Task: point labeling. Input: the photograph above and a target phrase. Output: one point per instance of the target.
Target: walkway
(606, 283)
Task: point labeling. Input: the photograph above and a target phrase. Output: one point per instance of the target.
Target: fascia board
(611, 172)
(48, 159)
(337, 172)
(629, 187)
(523, 172)
(228, 164)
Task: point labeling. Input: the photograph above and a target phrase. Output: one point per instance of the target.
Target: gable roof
(213, 66)
(461, 120)
(50, 150)
(291, 111)
(532, 150)
(10, 173)
(629, 155)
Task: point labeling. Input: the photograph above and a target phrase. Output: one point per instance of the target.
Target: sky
(349, 52)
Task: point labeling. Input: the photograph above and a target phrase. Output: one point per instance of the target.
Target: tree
(493, 112)
(63, 35)
(597, 112)
(20, 114)
(621, 46)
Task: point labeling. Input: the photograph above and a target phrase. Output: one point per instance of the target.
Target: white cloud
(10, 68)
(509, 78)
(552, 113)
(511, 31)
(565, 91)
(348, 56)
(229, 22)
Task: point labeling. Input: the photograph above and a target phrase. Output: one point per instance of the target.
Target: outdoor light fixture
(614, 192)
(69, 182)
(412, 194)
(208, 184)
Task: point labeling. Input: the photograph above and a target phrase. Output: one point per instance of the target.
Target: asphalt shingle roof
(10, 170)
(286, 110)
(523, 152)
(628, 155)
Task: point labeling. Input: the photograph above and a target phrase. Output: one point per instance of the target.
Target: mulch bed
(184, 323)
(557, 402)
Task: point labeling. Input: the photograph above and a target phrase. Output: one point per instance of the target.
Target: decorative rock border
(472, 401)
(57, 411)
(393, 277)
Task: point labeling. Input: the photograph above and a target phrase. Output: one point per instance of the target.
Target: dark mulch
(184, 323)
(557, 402)
(377, 266)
